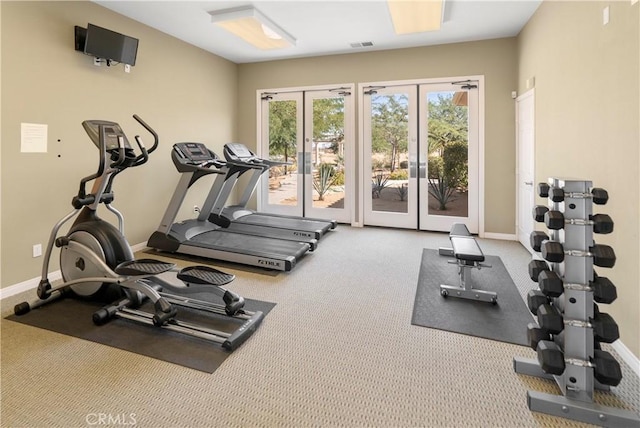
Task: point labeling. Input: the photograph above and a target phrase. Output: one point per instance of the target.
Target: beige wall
(185, 93)
(587, 123)
(495, 59)
(0, 145)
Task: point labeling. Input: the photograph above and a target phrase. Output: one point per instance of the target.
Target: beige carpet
(337, 350)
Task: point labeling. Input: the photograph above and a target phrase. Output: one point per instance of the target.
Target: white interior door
(389, 156)
(525, 115)
(449, 156)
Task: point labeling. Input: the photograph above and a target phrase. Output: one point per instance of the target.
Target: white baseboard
(27, 285)
(627, 356)
(139, 247)
(500, 236)
(32, 283)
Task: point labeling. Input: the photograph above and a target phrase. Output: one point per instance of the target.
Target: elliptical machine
(97, 262)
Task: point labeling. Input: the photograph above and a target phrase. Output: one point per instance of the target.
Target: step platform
(205, 275)
(143, 267)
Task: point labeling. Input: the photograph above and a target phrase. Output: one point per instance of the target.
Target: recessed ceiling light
(252, 26)
(415, 16)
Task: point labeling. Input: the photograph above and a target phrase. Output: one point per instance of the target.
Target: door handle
(529, 183)
(307, 163)
(422, 170)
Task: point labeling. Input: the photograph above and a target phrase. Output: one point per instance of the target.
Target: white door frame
(345, 214)
(350, 150)
(525, 174)
(408, 219)
(362, 87)
(429, 221)
(263, 135)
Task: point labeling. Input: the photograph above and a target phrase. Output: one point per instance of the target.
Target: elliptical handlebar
(156, 140)
(121, 149)
(144, 154)
(143, 157)
(106, 135)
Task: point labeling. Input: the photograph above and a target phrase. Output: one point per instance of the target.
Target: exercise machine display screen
(112, 133)
(239, 150)
(194, 152)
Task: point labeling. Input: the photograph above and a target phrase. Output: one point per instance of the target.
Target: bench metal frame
(468, 256)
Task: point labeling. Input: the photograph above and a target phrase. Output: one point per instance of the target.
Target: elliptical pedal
(143, 267)
(205, 275)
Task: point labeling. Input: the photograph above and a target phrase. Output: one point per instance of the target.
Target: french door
(421, 155)
(311, 133)
(390, 156)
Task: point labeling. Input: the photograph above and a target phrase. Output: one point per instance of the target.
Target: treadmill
(199, 237)
(239, 160)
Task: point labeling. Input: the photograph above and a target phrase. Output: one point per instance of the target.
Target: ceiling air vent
(361, 44)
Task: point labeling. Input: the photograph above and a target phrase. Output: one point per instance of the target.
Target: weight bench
(468, 256)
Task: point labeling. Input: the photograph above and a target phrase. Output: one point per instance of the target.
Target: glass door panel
(311, 132)
(329, 145)
(282, 132)
(390, 149)
(449, 151)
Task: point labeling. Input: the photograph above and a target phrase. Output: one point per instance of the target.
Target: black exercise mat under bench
(73, 317)
(506, 322)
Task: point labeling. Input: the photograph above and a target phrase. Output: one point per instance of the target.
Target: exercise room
(376, 213)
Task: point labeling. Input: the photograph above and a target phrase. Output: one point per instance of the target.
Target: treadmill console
(194, 153)
(190, 157)
(112, 133)
(238, 152)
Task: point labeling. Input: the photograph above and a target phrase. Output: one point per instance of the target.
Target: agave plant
(380, 181)
(441, 190)
(324, 179)
(402, 191)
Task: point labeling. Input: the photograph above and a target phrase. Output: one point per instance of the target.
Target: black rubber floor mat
(73, 317)
(505, 322)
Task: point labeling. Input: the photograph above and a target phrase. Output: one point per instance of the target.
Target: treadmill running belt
(240, 242)
(284, 223)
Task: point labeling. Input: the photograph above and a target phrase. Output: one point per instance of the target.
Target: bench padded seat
(459, 229)
(466, 248)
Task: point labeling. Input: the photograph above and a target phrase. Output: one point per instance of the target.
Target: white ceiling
(324, 27)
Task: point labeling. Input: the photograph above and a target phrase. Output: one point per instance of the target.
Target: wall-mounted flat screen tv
(106, 44)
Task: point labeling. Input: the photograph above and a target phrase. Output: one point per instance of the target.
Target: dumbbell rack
(577, 382)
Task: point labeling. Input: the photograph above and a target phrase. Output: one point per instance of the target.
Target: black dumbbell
(535, 267)
(599, 195)
(550, 319)
(605, 328)
(601, 223)
(550, 283)
(603, 255)
(536, 238)
(535, 298)
(535, 334)
(550, 357)
(538, 213)
(543, 190)
(603, 325)
(603, 289)
(606, 369)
